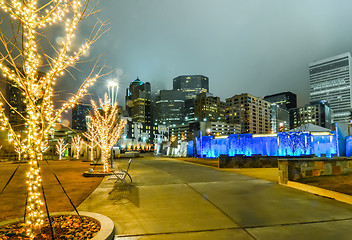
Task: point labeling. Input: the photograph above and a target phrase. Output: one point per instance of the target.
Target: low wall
(242, 161)
(293, 169)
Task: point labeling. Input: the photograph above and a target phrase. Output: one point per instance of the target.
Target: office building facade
(279, 118)
(138, 102)
(317, 113)
(209, 108)
(253, 113)
(169, 107)
(191, 85)
(79, 116)
(285, 100)
(330, 80)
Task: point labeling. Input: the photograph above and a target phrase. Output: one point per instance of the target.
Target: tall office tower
(15, 99)
(285, 100)
(189, 111)
(280, 118)
(79, 113)
(138, 102)
(317, 113)
(253, 113)
(191, 85)
(209, 108)
(169, 106)
(330, 80)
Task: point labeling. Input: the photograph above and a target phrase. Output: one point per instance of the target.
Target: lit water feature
(280, 144)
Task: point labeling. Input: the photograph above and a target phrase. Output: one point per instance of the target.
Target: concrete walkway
(172, 199)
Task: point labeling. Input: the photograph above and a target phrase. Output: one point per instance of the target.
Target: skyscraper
(169, 107)
(138, 102)
(209, 108)
(253, 113)
(330, 80)
(285, 100)
(191, 85)
(317, 113)
(79, 114)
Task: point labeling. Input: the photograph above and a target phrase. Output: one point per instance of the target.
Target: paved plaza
(173, 199)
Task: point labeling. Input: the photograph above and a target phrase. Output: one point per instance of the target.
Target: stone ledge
(320, 191)
(106, 231)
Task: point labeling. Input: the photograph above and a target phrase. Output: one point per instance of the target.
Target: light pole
(113, 88)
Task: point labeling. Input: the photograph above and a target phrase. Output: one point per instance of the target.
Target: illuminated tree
(19, 150)
(108, 126)
(91, 135)
(77, 144)
(61, 147)
(32, 62)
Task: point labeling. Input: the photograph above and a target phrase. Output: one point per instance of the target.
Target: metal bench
(120, 175)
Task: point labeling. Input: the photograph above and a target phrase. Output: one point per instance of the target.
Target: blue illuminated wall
(280, 144)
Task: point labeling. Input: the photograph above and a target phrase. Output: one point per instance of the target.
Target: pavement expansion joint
(136, 236)
(228, 216)
(300, 223)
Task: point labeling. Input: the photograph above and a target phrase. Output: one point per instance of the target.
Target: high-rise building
(285, 100)
(317, 113)
(79, 116)
(330, 80)
(209, 108)
(280, 118)
(15, 98)
(189, 111)
(169, 107)
(219, 128)
(253, 113)
(138, 102)
(191, 85)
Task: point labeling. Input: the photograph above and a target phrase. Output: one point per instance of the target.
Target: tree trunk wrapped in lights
(91, 135)
(34, 70)
(108, 126)
(19, 151)
(77, 144)
(61, 147)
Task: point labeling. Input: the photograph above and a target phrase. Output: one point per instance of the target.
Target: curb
(320, 191)
(106, 231)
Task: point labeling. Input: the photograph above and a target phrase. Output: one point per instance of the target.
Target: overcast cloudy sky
(257, 46)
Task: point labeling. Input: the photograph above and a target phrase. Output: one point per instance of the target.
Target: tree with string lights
(19, 151)
(91, 135)
(31, 67)
(77, 144)
(108, 125)
(61, 147)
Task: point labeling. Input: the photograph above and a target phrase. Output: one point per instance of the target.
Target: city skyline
(237, 44)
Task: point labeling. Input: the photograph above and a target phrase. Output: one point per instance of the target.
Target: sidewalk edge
(320, 191)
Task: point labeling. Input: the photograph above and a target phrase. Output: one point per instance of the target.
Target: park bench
(120, 174)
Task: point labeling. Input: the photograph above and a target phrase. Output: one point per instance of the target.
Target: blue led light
(283, 144)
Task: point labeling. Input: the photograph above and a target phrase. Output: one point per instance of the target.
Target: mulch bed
(337, 183)
(65, 227)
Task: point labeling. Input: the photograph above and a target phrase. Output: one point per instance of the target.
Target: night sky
(255, 46)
